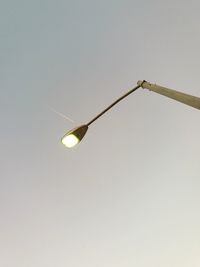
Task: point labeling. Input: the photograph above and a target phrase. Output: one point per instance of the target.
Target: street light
(74, 136)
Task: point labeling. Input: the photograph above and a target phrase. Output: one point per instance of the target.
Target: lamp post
(74, 136)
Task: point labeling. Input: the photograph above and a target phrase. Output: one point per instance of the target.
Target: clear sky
(129, 193)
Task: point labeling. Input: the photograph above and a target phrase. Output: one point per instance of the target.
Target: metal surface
(189, 100)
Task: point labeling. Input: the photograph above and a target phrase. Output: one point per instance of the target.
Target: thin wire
(61, 115)
(114, 103)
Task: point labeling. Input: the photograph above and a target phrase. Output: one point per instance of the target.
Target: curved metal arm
(114, 103)
(189, 100)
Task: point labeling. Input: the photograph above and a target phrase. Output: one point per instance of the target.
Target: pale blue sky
(129, 194)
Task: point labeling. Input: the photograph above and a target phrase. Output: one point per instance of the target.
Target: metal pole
(189, 100)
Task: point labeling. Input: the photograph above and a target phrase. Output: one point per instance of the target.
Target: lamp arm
(114, 103)
(189, 100)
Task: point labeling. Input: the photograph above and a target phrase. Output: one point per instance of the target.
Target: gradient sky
(129, 194)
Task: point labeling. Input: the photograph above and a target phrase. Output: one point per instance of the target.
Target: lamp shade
(74, 136)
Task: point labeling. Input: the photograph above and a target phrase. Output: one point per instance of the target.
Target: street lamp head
(74, 136)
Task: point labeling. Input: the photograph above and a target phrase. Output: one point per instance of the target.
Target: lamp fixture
(74, 136)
